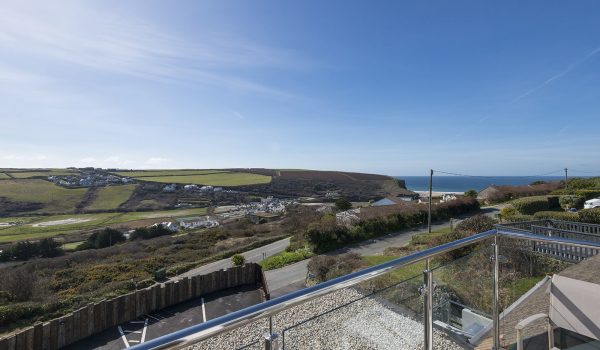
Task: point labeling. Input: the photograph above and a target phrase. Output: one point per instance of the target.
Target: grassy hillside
(147, 173)
(217, 179)
(4, 176)
(48, 226)
(55, 199)
(30, 174)
(111, 197)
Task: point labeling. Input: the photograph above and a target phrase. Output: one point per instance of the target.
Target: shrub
(285, 258)
(507, 211)
(518, 218)
(15, 312)
(343, 204)
(531, 205)
(572, 202)
(150, 232)
(468, 227)
(325, 267)
(556, 215)
(160, 274)
(471, 193)
(238, 260)
(590, 216)
(102, 239)
(45, 248)
(588, 194)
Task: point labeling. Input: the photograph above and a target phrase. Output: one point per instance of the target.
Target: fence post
(496, 305)
(428, 305)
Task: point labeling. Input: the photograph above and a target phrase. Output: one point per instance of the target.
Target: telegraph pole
(430, 195)
(566, 179)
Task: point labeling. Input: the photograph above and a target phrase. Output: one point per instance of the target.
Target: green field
(219, 179)
(4, 176)
(27, 230)
(56, 199)
(149, 173)
(30, 174)
(111, 197)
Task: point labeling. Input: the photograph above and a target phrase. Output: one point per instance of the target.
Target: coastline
(436, 193)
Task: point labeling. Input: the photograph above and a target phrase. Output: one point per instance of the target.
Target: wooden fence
(105, 314)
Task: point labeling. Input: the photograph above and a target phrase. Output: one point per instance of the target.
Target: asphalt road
(290, 278)
(172, 319)
(254, 255)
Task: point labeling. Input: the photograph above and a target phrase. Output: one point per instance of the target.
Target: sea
(445, 183)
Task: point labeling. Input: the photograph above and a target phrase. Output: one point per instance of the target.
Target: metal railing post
(496, 305)
(271, 339)
(428, 305)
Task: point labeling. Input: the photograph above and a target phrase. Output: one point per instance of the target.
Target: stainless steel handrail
(234, 320)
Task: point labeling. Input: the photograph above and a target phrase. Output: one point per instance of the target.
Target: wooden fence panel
(98, 317)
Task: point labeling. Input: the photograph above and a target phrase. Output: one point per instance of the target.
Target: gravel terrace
(363, 324)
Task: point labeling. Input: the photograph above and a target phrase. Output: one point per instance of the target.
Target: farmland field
(298, 174)
(54, 198)
(111, 197)
(219, 179)
(147, 173)
(29, 174)
(48, 226)
(4, 176)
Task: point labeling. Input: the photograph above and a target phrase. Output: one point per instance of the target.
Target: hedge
(531, 205)
(590, 216)
(518, 218)
(556, 215)
(588, 194)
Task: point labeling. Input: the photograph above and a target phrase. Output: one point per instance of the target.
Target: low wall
(95, 318)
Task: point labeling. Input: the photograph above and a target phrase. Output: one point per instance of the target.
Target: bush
(471, 193)
(572, 202)
(238, 260)
(22, 251)
(160, 274)
(590, 216)
(102, 239)
(466, 228)
(150, 232)
(285, 258)
(343, 204)
(15, 312)
(518, 218)
(588, 194)
(326, 235)
(325, 267)
(531, 205)
(556, 215)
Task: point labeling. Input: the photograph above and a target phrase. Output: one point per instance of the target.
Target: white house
(197, 222)
(170, 188)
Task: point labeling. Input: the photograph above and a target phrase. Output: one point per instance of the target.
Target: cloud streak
(116, 44)
(561, 74)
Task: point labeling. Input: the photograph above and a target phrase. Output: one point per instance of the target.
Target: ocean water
(463, 183)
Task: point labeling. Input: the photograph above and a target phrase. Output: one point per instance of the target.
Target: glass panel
(463, 293)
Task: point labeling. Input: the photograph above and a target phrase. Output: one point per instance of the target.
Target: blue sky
(393, 87)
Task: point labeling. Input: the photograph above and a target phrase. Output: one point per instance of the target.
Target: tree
(102, 239)
(238, 260)
(471, 193)
(49, 248)
(343, 204)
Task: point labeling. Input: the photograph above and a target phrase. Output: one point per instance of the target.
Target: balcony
(376, 308)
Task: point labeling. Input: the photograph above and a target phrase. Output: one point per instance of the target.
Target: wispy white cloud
(116, 44)
(561, 74)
